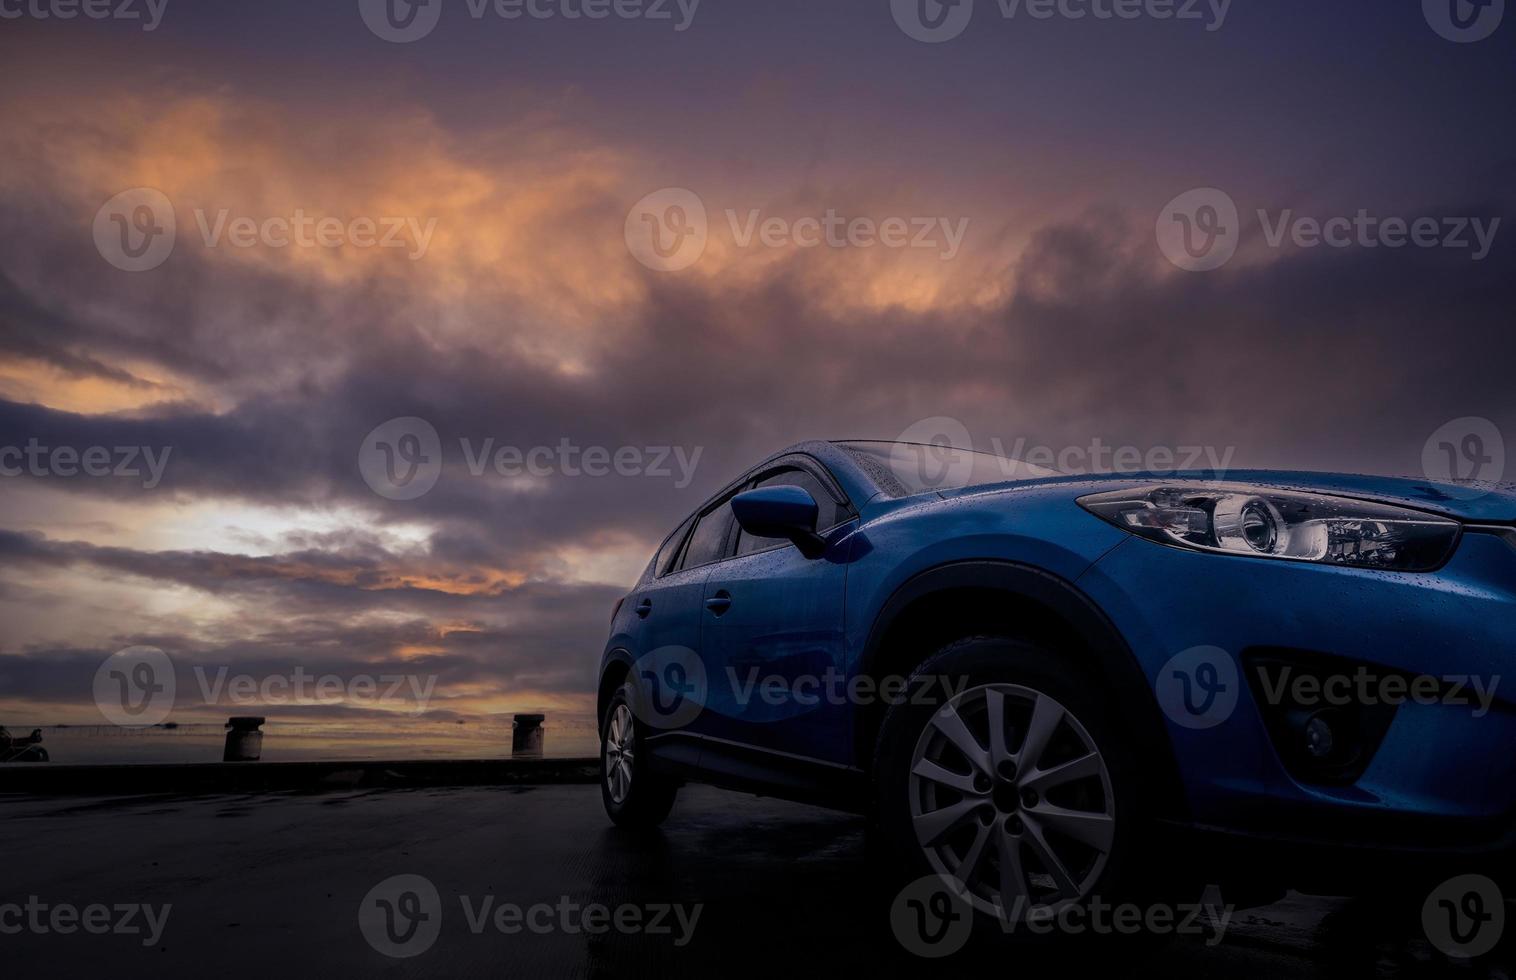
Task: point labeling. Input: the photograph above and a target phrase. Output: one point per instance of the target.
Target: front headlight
(1267, 523)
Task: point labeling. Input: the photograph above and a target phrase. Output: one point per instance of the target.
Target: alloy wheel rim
(1011, 801)
(619, 753)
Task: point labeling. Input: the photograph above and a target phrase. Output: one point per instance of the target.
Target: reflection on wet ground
(274, 884)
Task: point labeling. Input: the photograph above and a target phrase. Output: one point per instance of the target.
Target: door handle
(720, 602)
(643, 608)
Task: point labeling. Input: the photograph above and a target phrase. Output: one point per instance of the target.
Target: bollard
(244, 742)
(526, 736)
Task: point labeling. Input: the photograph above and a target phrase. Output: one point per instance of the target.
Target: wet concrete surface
(273, 885)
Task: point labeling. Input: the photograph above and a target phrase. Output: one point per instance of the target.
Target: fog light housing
(1324, 744)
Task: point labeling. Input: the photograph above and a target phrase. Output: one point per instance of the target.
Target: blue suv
(1037, 684)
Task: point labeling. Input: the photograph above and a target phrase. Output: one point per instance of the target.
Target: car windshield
(906, 468)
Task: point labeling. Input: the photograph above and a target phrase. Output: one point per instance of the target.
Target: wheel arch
(613, 673)
(967, 598)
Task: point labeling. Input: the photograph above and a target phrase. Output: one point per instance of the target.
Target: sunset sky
(510, 153)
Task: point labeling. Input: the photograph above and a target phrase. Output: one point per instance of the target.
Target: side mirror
(781, 512)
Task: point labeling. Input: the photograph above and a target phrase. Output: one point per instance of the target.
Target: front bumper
(1442, 780)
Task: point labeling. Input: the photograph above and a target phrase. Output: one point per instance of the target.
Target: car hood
(1492, 503)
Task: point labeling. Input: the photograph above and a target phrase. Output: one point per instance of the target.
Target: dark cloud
(534, 326)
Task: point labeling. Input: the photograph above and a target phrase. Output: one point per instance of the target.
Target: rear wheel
(634, 797)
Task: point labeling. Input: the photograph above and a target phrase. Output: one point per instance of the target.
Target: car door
(772, 635)
(667, 669)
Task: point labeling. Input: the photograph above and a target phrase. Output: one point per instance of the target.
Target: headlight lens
(1267, 523)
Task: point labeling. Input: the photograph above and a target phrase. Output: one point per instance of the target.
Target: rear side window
(663, 561)
(708, 543)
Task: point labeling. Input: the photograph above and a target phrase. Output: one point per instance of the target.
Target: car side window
(828, 514)
(708, 542)
(663, 562)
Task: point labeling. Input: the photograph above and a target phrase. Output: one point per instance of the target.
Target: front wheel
(634, 797)
(1011, 789)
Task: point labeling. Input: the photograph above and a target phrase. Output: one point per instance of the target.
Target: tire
(634, 798)
(1077, 797)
